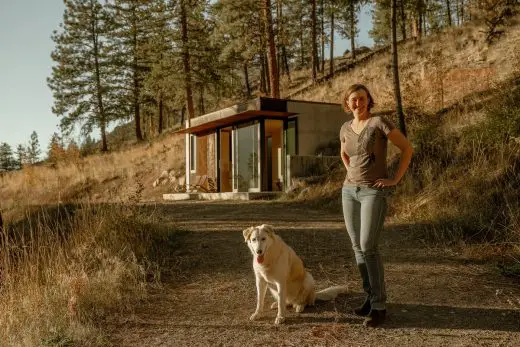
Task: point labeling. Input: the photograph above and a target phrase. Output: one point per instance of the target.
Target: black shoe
(364, 309)
(375, 318)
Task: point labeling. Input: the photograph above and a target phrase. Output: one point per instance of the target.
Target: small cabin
(249, 147)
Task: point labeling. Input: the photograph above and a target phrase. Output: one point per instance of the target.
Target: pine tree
(347, 22)
(33, 149)
(395, 69)
(282, 38)
(332, 11)
(313, 41)
(183, 10)
(160, 87)
(299, 32)
(133, 27)
(82, 80)
(7, 161)
(55, 150)
(88, 146)
(240, 42)
(21, 156)
(271, 48)
(208, 74)
(72, 151)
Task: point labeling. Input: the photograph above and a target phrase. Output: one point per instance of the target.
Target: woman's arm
(401, 142)
(344, 157)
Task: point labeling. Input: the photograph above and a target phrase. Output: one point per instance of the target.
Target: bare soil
(436, 297)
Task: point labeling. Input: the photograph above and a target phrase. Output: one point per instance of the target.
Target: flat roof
(233, 119)
(255, 108)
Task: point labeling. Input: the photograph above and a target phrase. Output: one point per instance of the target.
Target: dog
(277, 267)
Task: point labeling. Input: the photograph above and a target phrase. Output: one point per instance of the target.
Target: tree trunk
(403, 20)
(263, 82)
(186, 62)
(322, 15)
(279, 38)
(419, 19)
(461, 12)
(271, 58)
(104, 145)
(331, 60)
(137, 108)
(183, 115)
(161, 115)
(352, 29)
(283, 61)
(246, 78)
(395, 69)
(313, 41)
(201, 99)
(266, 71)
(422, 19)
(99, 95)
(448, 13)
(302, 50)
(286, 62)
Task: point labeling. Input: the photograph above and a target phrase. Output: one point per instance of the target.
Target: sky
(26, 101)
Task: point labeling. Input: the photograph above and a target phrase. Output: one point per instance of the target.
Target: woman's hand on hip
(385, 182)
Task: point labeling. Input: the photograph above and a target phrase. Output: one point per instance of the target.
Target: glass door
(246, 158)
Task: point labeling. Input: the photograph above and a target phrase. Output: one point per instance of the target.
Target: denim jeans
(364, 210)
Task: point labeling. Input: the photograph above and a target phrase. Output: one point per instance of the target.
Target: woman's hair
(354, 88)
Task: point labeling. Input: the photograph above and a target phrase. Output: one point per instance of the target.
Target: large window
(291, 140)
(246, 156)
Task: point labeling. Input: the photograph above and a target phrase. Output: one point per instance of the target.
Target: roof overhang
(253, 109)
(234, 119)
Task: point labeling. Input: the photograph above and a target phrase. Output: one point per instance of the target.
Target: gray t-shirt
(367, 151)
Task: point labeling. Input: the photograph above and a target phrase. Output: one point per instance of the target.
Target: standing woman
(364, 142)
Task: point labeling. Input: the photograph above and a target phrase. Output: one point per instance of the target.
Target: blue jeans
(364, 210)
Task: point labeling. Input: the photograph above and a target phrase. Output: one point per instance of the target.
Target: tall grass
(109, 177)
(65, 269)
(464, 183)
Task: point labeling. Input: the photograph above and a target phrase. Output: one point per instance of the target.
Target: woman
(364, 142)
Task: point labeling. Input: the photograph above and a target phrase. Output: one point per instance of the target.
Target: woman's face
(358, 102)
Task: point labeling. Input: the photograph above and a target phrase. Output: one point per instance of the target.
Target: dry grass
(63, 273)
(66, 269)
(463, 186)
(461, 102)
(112, 177)
(437, 73)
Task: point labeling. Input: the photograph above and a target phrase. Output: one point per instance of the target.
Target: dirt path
(435, 297)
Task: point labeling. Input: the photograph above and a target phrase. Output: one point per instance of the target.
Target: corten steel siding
(318, 124)
(202, 155)
(205, 157)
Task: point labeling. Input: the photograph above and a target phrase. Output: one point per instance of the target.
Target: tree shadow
(448, 317)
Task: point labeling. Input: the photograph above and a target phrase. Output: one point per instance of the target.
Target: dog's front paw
(255, 316)
(279, 320)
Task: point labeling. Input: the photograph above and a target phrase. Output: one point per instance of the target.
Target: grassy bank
(464, 183)
(463, 186)
(66, 269)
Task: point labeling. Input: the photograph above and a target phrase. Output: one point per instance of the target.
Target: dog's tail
(331, 293)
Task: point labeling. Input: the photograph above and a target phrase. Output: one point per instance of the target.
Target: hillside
(92, 256)
(455, 67)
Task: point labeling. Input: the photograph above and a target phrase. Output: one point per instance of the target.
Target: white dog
(278, 268)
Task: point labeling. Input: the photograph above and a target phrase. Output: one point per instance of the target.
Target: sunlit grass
(65, 269)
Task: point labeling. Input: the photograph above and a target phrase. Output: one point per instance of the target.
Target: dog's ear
(247, 233)
(269, 229)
